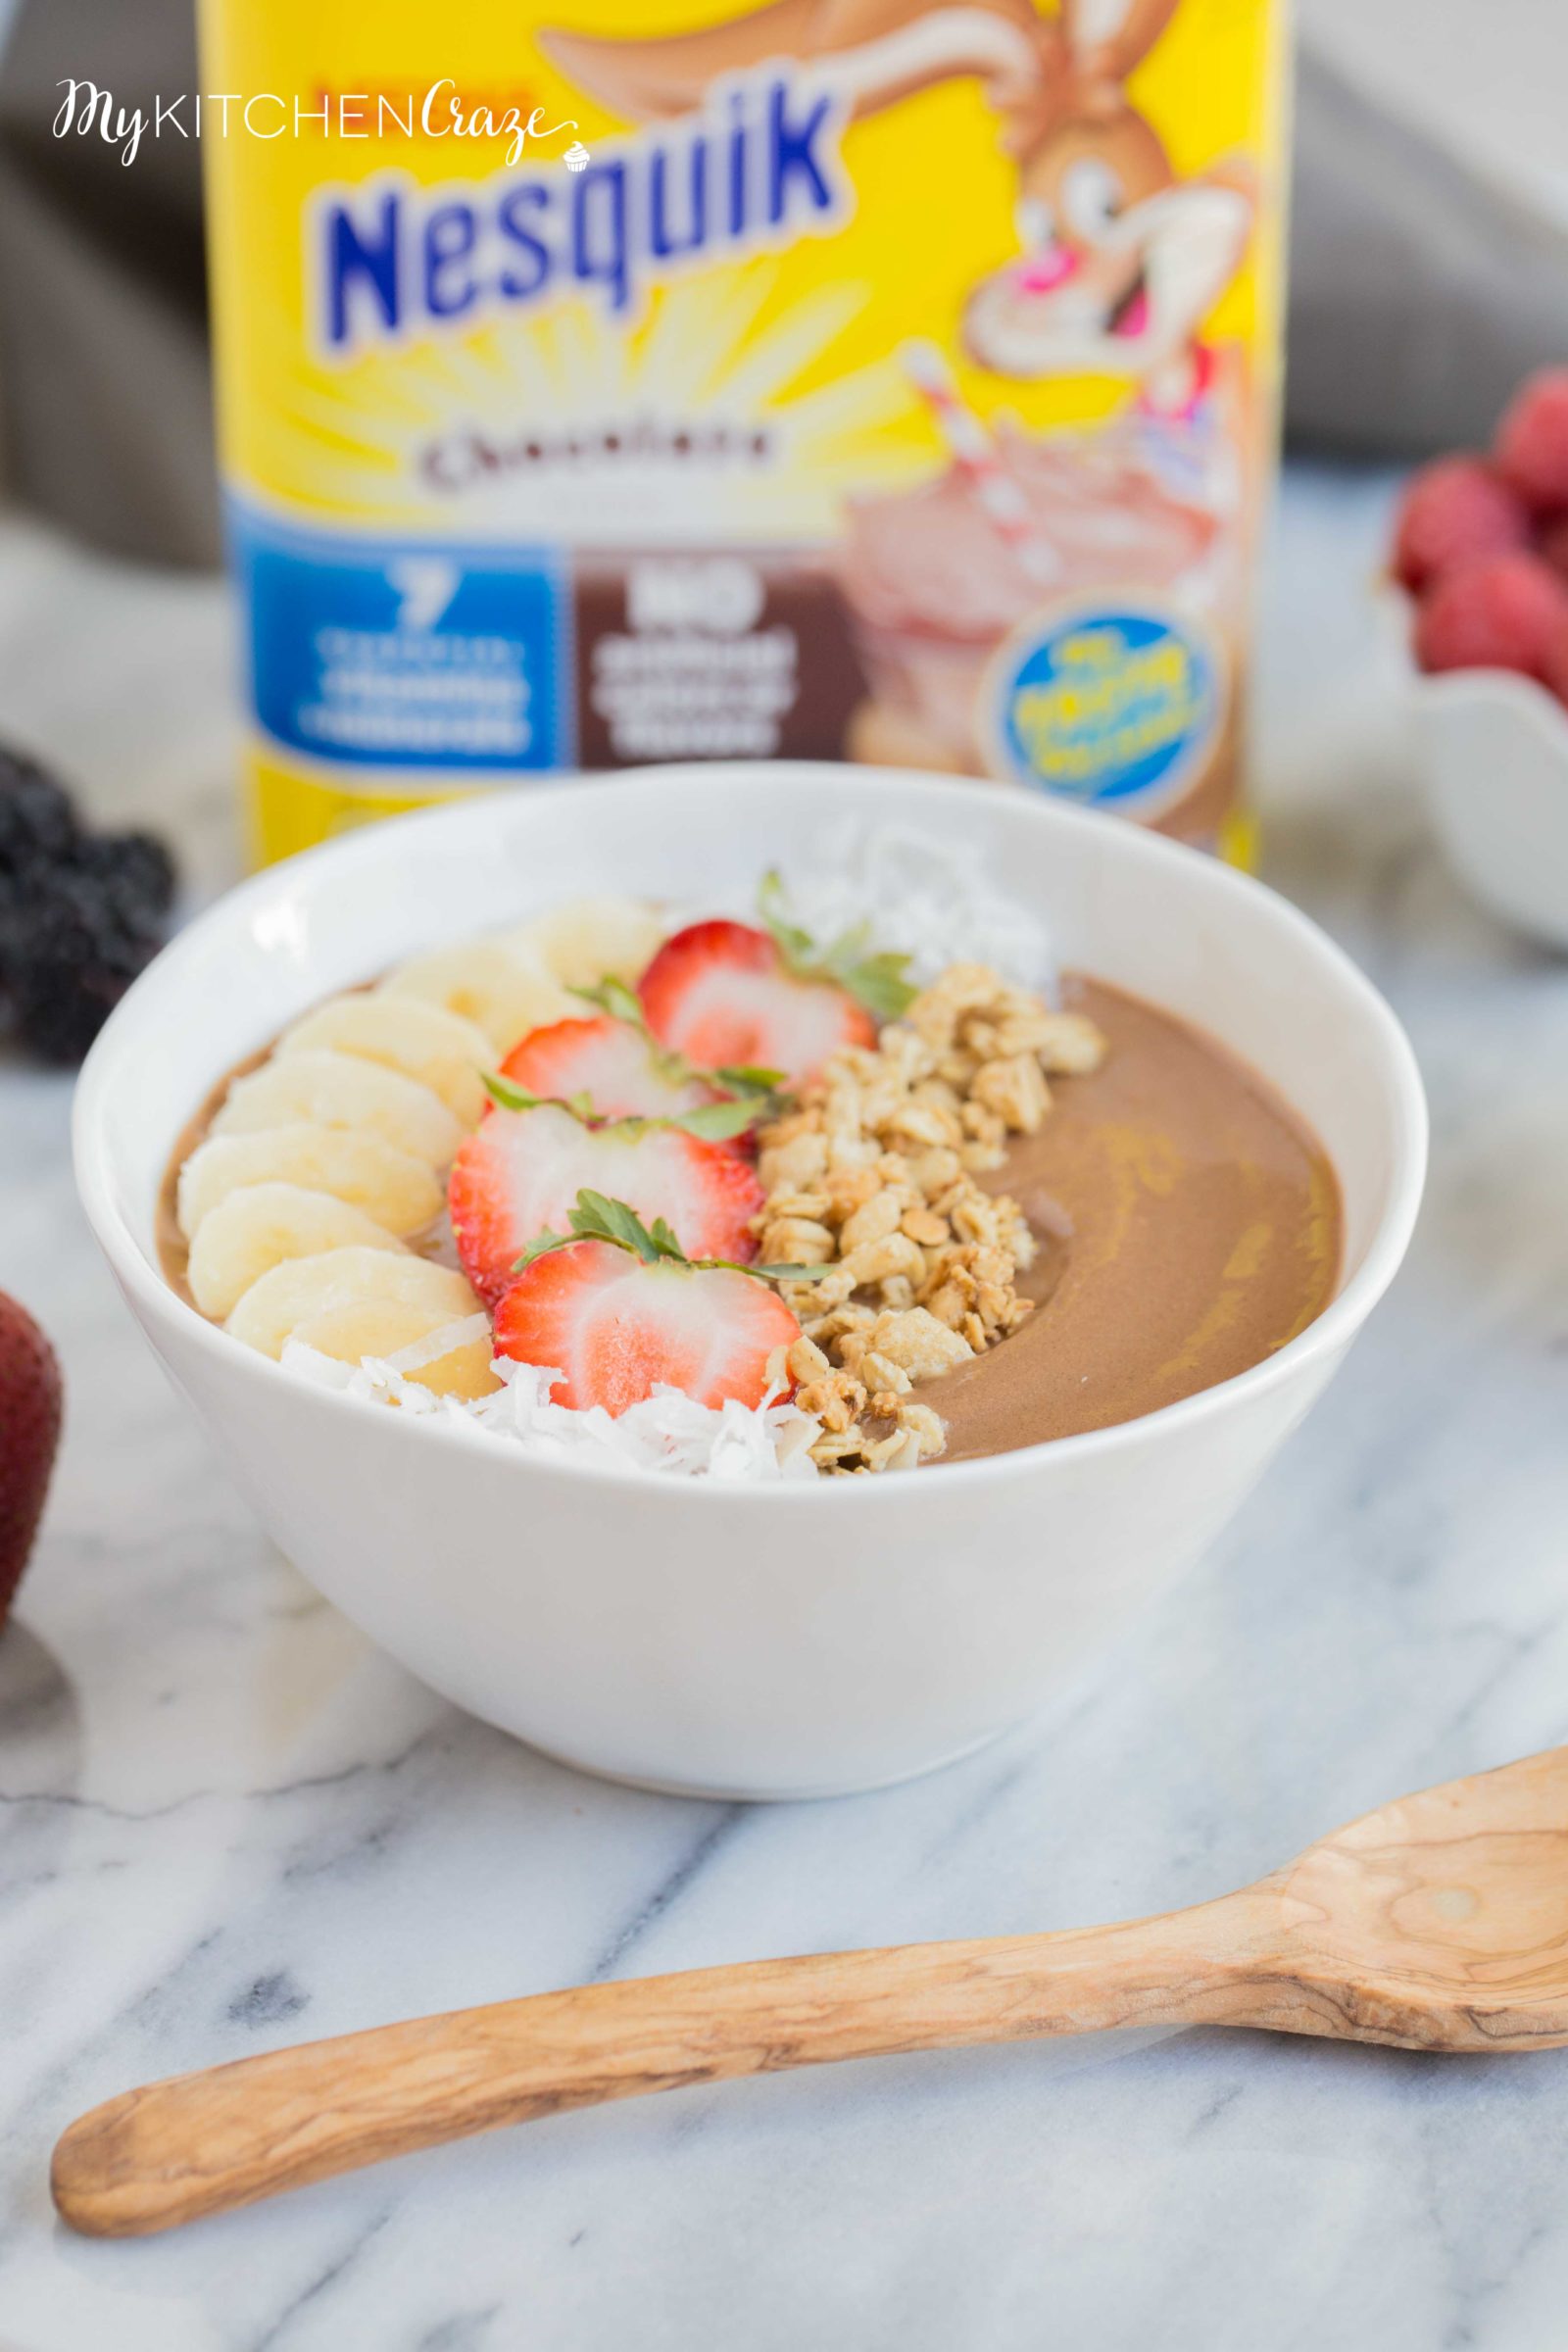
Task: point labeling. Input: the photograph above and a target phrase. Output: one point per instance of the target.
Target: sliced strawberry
(721, 994)
(618, 1328)
(519, 1173)
(606, 1061)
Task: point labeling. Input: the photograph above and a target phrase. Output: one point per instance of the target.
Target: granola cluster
(875, 1176)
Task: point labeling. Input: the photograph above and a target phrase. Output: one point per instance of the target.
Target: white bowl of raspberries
(1481, 548)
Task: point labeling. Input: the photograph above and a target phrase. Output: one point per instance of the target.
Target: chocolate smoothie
(1189, 1226)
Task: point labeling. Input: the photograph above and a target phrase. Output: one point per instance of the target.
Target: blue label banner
(405, 655)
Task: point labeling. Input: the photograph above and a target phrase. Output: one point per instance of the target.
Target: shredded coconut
(931, 901)
(670, 1433)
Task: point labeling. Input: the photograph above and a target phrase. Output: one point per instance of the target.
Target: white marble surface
(226, 1821)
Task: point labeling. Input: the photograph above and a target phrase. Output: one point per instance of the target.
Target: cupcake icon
(577, 157)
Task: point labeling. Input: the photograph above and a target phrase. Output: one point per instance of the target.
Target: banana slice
(405, 1032)
(589, 940)
(384, 1327)
(257, 1227)
(398, 1190)
(301, 1289)
(505, 989)
(341, 1090)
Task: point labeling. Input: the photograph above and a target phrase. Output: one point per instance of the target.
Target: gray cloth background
(105, 408)
(1419, 294)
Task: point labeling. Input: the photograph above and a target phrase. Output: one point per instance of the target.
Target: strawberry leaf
(710, 1122)
(783, 1272)
(541, 1247)
(511, 1098)
(766, 1087)
(874, 978)
(797, 947)
(595, 1218)
(750, 1078)
(876, 981)
(717, 1122)
(614, 997)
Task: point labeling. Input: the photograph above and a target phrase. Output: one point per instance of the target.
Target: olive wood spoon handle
(202, 2143)
(1439, 1921)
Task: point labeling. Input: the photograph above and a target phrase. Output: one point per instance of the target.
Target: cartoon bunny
(1123, 261)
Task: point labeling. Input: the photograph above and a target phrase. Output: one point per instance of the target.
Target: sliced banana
(502, 988)
(342, 1089)
(386, 1327)
(301, 1289)
(257, 1227)
(399, 1191)
(405, 1032)
(590, 940)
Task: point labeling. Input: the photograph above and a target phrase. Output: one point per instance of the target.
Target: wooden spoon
(1439, 1923)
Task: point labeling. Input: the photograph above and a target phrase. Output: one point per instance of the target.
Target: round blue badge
(1111, 705)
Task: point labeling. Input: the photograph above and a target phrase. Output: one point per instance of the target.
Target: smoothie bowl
(743, 1276)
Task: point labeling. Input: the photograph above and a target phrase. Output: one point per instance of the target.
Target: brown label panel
(709, 655)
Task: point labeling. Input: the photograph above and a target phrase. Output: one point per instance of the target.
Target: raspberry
(1556, 670)
(1453, 513)
(1531, 441)
(1504, 612)
(1552, 546)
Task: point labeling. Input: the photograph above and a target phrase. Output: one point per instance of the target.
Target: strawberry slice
(609, 1062)
(519, 1173)
(618, 1328)
(723, 995)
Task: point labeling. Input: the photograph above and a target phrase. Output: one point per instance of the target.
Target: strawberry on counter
(29, 1433)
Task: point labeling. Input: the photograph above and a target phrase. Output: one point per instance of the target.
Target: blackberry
(37, 820)
(80, 914)
(12, 895)
(71, 953)
(134, 872)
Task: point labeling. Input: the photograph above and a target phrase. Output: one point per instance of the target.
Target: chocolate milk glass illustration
(840, 377)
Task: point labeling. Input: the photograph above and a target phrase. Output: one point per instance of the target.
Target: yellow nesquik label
(605, 383)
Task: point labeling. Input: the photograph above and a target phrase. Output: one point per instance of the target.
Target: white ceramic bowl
(1494, 751)
(782, 1640)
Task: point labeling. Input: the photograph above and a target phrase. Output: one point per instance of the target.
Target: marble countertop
(227, 1821)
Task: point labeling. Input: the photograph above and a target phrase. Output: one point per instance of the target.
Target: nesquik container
(605, 383)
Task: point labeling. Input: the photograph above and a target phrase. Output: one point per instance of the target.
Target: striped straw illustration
(975, 455)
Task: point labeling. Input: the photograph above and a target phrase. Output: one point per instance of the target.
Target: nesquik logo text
(760, 167)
